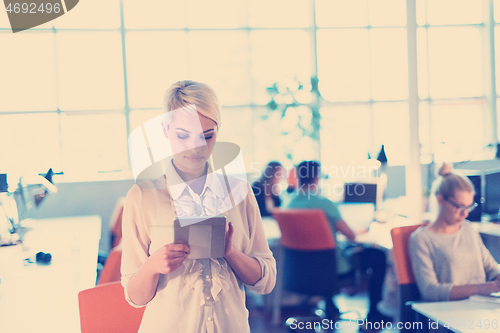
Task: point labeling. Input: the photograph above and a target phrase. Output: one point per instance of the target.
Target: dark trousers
(375, 260)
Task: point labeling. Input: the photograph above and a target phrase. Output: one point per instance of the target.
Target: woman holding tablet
(182, 294)
(448, 257)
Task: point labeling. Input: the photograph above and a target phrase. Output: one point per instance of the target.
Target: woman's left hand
(246, 268)
(229, 239)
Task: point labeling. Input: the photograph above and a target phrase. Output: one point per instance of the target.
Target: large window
(72, 89)
(363, 78)
(454, 80)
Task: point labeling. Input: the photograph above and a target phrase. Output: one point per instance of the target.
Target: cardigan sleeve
(135, 239)
(258, 248)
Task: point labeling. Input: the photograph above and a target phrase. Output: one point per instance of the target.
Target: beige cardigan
(202, 295)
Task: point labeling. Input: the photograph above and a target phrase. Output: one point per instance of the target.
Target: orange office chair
(309, 254)
(407, 287)
(111, 270)
(103, 309)
(292, 180)
(115, 227)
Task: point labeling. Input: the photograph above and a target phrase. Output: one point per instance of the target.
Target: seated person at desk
(448, 257)
(308, 197)
(265, 188)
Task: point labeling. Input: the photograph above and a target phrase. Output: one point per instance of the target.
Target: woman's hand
(246, 268)
(168, 258)
(142, 285)
(489, 287)
(229, 239)
(467, 290)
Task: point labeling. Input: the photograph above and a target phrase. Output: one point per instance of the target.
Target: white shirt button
(209, 318)
(207, 277)
(209, 298)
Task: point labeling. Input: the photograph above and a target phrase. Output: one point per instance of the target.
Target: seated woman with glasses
(448, 257)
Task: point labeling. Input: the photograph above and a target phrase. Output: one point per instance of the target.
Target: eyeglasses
(462, 208)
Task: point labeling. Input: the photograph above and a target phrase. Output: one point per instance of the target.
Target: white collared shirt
(210, 202)
(203, 295)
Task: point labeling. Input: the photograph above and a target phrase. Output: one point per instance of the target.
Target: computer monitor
(29, 194)
(491, 203)
(360, 192)
(475, 215)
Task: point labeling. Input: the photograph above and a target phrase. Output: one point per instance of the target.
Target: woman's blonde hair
(448, 182)
(182, 94)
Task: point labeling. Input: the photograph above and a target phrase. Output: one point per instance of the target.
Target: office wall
(100, 197)
(479, 165)
(396, 182)
(428, 170)
(87, 198)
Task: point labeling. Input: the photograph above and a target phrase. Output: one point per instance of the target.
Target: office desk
(487, 228)
(44, 298)
(273, 235)
(271, 228)
(467, 312)
(490, 233)
(378, 235)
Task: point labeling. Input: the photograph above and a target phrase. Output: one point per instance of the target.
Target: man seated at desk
(309, 197)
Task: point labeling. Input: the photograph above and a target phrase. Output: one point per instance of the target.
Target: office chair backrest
(407, 287)
(292, 179)
(401, 253)
(111, 270)
(103, 309)
(304, 229)
(309, 252)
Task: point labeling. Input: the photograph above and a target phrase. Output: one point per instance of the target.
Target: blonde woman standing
(181, 294)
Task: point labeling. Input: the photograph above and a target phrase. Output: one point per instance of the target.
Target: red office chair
(309, 254)
(115, 227)
(407, 287)
(111, 270)
(103, 309)
(292, 180)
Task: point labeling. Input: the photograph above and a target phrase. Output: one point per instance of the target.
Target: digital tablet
(205, 235)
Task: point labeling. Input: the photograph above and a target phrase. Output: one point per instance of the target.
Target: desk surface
(462, 316)
(271, 228)
(44, 298)
(379, 234)
(487, 228)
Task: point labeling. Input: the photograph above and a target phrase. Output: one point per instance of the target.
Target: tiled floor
(260, 320)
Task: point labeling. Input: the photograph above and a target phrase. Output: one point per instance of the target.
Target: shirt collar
(214, 183)
(179, 186)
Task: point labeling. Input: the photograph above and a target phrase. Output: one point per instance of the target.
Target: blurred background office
(326, 80)
(310, 79)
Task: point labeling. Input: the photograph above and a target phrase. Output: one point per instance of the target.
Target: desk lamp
(15, 205)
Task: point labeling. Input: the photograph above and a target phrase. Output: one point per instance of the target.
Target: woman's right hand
(168, 258)
(489, 287)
